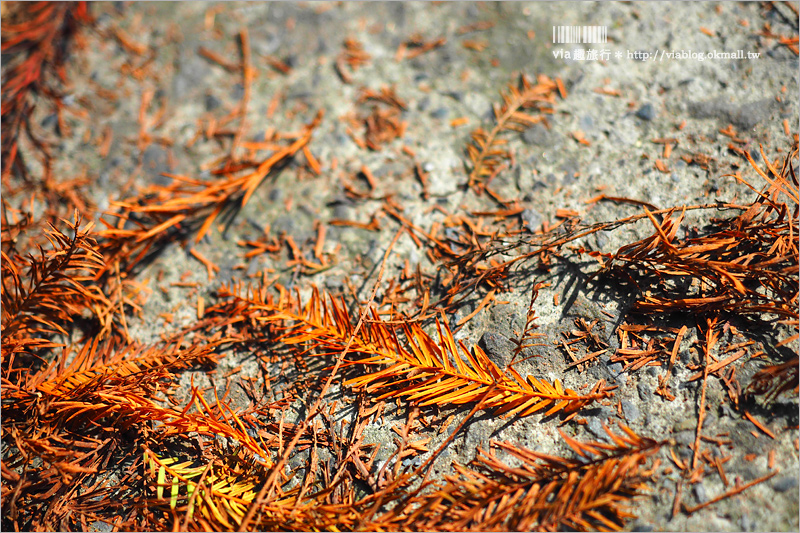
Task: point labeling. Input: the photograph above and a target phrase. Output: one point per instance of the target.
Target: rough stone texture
(687, 99)
(498, 347)
(744, 116)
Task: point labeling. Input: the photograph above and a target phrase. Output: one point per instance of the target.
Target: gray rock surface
(741, 115)
(498, 347)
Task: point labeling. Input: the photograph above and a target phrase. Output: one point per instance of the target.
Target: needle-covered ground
(317, 266)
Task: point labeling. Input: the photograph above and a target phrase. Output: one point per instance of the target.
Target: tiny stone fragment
(237, 93)
(532, 219)
(743, 116)
(155, 162)
(536, 135)
(615, 369)
(645, 392)
(700, 493)
(685, 437)
(630, 410)
(601, 240)
(646, 112)
(440, 112)
(747, 523)
(785, 483)
(212, 102)
(596, 427)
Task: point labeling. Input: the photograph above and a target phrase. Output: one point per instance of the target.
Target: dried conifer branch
(133, 362)
(130, 401)
(74, 415)
(163, 212)
(269, 488)
(544, 493)
(387, 95)
(483, 268)
(528, 332)
(62, 423)
(323, 501)
(486, 152)
(98, 393)
(212, 497)
(15, 223)
(42, 294)
(34, 37)
(352, 56)
(417, 367)
(747, 266)
(96, 373)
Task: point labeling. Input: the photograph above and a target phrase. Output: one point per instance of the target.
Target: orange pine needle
(759, 425)
(211, 268)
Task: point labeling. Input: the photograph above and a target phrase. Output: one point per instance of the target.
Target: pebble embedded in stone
(212, 102)
(155, 162)
(700, 493)
(601, 240)
(631, 412)
(646, 112)
(498, 347)
(645, 391)
(785, 483)
(595, 425)
(685, 437)
(237, 93)
(743, 116)
(532, 219)
(615, 369)
(537, 135)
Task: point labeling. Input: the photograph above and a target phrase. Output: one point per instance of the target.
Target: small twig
(728, 494)
(247, 72)
(676, 503)
(585, 359)
(710, 341)
(664, 384)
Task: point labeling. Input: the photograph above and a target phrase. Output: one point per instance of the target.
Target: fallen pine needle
(210, 267)
(759, 425)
